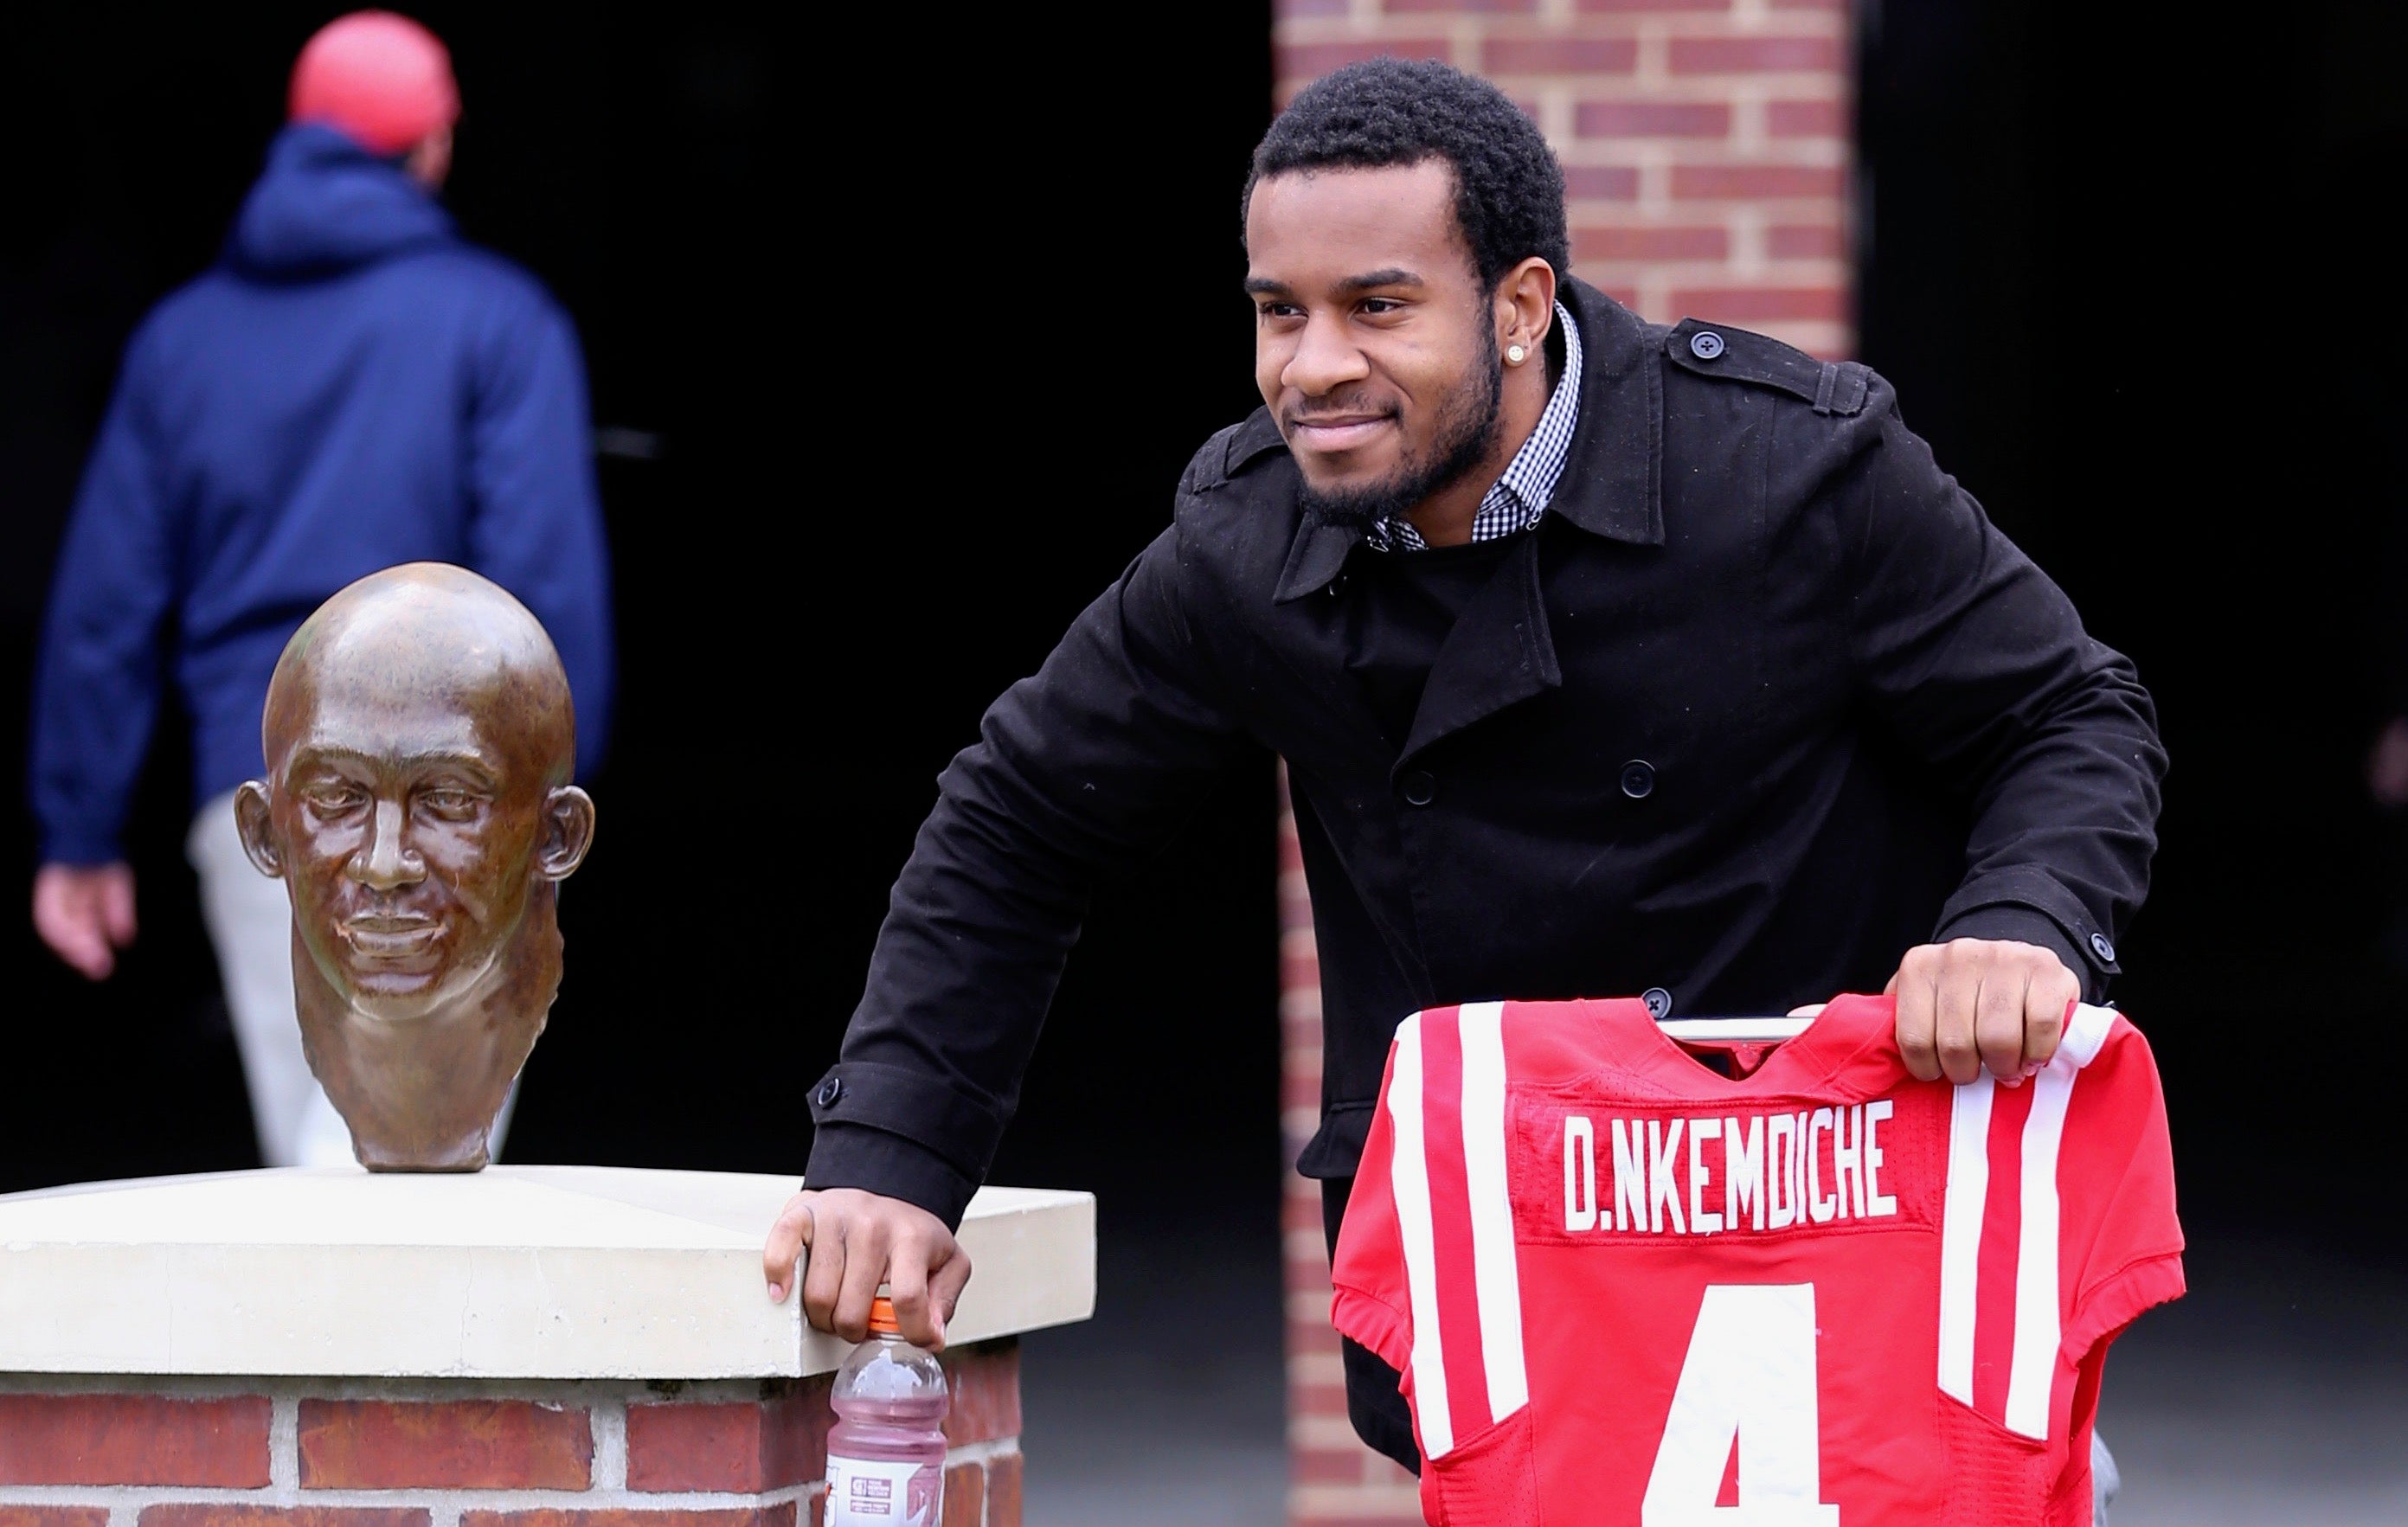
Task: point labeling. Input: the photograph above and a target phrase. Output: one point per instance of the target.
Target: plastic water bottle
(886, 1452)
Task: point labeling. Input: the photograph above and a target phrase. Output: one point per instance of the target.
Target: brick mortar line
(284, 1442)
(608, 1423)
(1661, 85)
(1820, 153)
(1748, 259)
(1400, 1489)
(1653, 163)
(128, 1500)
(414, 1389)
(136, 1497)
(1602, 26)
(984, 1452)
(1654, 65)
(1786, 208)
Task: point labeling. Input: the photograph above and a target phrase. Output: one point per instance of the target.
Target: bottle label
(870, 1493)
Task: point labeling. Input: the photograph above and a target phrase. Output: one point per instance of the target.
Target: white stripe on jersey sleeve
(1408, 1180)
(2037, 1322)
(2085, 1032)
(1496, 1272)
(2034, 1365)
(1960, 1232)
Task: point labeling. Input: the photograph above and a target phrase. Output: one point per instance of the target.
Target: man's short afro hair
(1509, 190)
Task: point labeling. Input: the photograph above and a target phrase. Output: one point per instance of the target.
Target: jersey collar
(1811, 1063)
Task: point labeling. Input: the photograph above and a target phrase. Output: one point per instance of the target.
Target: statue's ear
(251, 820)
(568, 832)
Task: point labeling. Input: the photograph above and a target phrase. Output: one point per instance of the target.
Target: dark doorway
(2125, 276)
(2125, 266)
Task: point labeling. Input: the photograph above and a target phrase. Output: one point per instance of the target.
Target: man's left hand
(1978, 1002)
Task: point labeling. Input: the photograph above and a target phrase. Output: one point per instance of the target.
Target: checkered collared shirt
(1520, 497)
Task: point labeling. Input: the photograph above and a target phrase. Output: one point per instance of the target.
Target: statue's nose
(385, 862)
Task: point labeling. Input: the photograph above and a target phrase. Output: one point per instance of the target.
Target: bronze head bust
(419, 744)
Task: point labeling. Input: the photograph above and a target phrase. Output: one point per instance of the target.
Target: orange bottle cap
(882, 1318)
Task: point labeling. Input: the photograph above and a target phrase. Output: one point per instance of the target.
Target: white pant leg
(502, 1120)
(251, 926)
(2105, 1480)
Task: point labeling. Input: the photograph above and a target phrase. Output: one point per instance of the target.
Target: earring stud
(1515, 354)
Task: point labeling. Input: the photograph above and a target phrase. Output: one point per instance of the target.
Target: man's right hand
(859, 1240)
(85, 914)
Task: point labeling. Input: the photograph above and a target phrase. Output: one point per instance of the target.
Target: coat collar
(1612, 484)
(1613, 481)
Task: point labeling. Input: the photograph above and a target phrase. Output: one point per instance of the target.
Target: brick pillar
(1706, 147)
(300, 1452)
(1333, 1479)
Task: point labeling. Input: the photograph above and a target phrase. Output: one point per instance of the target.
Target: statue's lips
(392, 938)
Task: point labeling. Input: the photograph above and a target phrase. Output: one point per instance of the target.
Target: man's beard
(1467, 427)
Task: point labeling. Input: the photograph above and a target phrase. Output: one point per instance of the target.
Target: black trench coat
(1764, 702)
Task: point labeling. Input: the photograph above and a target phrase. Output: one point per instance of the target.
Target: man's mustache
(1340, 406)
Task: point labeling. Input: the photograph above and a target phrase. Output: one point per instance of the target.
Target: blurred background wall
(838, 276)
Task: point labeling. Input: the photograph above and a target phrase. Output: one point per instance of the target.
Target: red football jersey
(1623, 1288)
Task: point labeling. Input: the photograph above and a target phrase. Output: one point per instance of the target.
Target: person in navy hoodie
(351, 386)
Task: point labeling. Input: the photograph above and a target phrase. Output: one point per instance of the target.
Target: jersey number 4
(1747, 1384)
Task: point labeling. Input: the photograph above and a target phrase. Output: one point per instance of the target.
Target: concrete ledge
(515, 1272)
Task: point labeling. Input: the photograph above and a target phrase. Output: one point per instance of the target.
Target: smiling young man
(1606, 658)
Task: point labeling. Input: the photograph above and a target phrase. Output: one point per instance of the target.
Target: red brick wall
(1333, 1479)
(1706, 146)
(401, 1453)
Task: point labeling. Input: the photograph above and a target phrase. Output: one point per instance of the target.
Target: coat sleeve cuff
(891, 1166)
(957, 1125)
(2024, 925)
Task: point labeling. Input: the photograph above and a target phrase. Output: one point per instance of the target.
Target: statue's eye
(332, 800)
(449, 802)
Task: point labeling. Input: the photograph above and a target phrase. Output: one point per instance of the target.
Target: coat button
(2102, 947)
(1337, 586)
(829, 1092)
(1420, 786)
(1705, 344)
(1659, 1003)
(1638, 779)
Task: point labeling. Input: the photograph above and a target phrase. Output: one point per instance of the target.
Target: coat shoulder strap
(1728, 354)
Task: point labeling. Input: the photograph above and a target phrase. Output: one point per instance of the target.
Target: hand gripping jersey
(1625, 1288)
